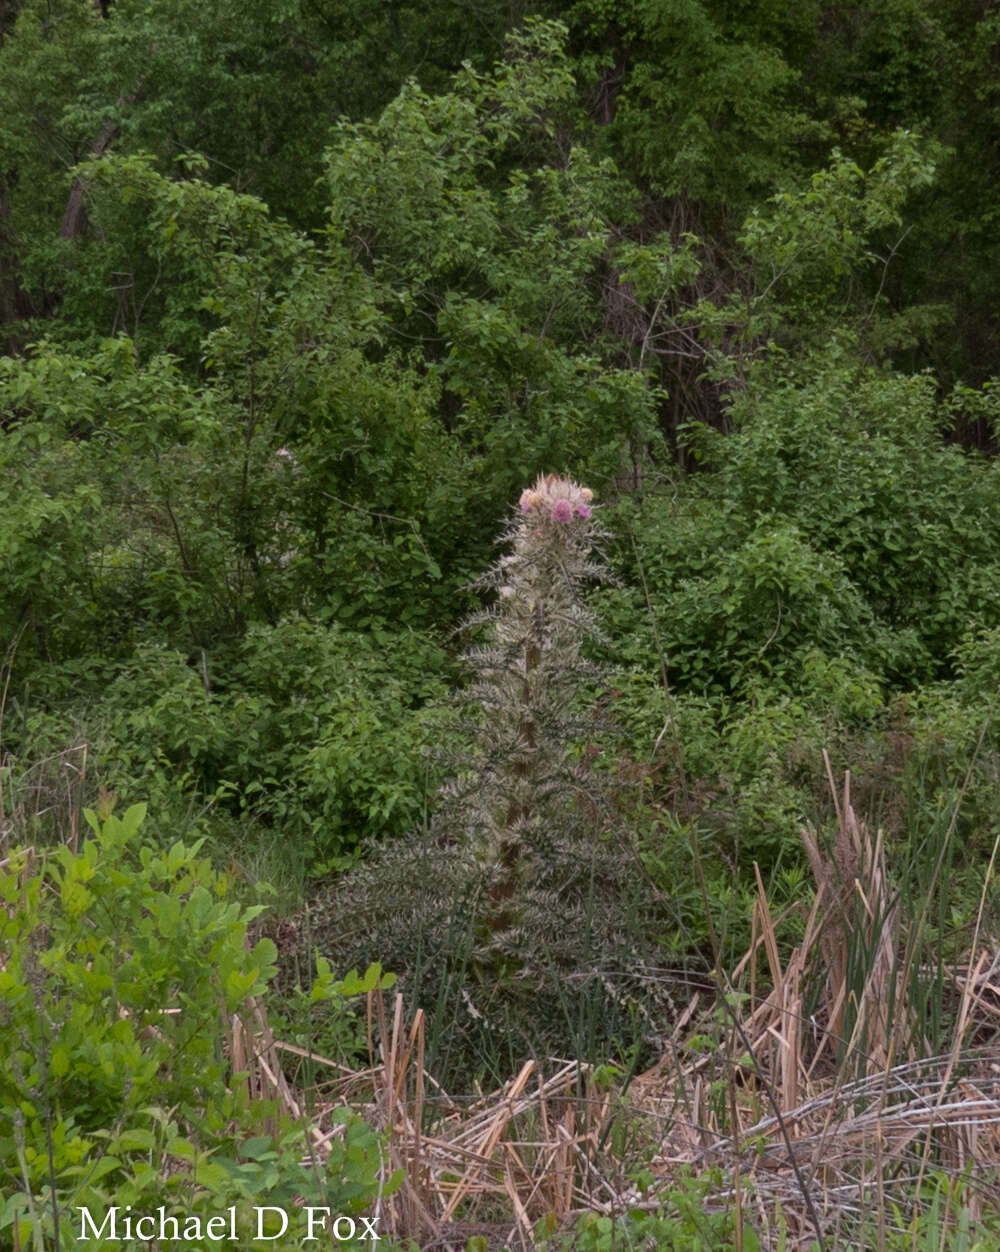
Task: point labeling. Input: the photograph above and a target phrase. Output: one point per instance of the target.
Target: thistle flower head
(559, 499)
(562, 511)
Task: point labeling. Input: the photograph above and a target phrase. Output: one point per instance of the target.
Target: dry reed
(816, 1105)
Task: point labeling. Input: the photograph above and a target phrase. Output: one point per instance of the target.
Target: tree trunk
(74, 219)
(15, 304)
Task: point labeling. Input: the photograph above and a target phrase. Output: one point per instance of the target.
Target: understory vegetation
(500, 622)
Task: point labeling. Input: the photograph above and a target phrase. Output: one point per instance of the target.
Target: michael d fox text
(262, 1222)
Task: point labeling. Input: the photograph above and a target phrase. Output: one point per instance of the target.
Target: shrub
(120, 968)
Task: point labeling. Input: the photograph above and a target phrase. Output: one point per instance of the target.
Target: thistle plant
(526, 786)
(518, 914)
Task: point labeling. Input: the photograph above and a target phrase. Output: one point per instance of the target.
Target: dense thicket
(296, 298)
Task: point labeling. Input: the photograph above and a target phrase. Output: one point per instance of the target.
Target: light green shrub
(120, 969)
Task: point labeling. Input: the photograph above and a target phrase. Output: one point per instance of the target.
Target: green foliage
(253, 89)
(121, 450)
(684, 1222)
(691, 1219)
(325, 1021)
(504, 265)
(828, 557)
(88, 984)
(809, 247)
(942, 1217)
(700, 95)
(327, 737)
(833, 519)
(122, 964)
(312, 735)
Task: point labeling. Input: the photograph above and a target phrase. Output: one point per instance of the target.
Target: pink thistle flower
(583, 510)
(562, 511)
